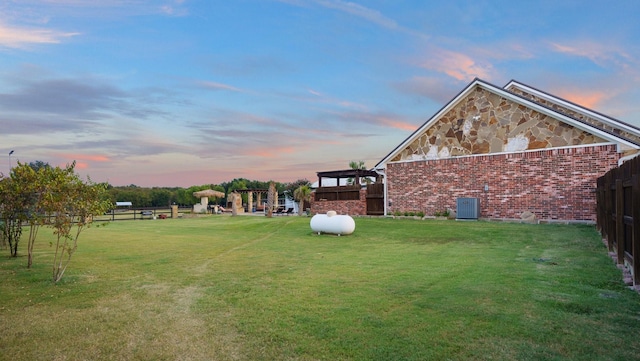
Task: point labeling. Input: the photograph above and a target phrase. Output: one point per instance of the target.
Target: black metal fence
(618, 212)
(139, 213)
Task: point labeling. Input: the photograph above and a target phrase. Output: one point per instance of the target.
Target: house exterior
(516, 150)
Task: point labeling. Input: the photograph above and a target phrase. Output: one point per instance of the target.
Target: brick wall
(557, 184)
(352, 208)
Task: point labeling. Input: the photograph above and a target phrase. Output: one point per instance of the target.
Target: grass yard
(253, 288)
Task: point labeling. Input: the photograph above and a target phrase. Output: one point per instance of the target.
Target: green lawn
(253, 288)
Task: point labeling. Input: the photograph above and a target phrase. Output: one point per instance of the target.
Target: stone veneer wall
(484, 123)
(352, 208)
(556, 184)
(576, 115)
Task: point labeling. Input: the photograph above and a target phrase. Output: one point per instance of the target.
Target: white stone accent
(432, 153)
(444, 153)
(466, 127)
(517, 143)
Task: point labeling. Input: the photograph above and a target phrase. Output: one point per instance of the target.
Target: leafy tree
(190, 198)
(31, 184)
(160, 197)
(12, 214)
(20, 195)
(290, 188)
(138, 196)
(302, 194)
(3, 241)
(38, 164)
(74, 203)
(32, 194)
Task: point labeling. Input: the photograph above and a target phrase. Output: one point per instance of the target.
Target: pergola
(250, 192)
(356, 174)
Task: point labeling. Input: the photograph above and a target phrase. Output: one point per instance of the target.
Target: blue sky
(181, 93)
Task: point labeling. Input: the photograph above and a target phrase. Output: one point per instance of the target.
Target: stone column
(174, 211)
(250, 202)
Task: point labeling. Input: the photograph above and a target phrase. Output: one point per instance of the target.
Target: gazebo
(204, 199)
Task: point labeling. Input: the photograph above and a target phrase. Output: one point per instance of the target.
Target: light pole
(11, 152)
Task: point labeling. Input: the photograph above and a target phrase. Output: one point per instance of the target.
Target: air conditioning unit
(467, 208)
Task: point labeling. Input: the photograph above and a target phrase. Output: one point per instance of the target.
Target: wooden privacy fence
(618, 214)
(341, 193)
(375, 199)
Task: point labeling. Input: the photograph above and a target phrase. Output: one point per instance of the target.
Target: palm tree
(358, 165)
(302, 194)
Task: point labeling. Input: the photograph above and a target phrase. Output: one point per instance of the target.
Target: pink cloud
(588, 99)
(601, 54)
(456, 65)
(88, 157)
(81, 165)
(20, 38)
(269, 151)
(397, 124)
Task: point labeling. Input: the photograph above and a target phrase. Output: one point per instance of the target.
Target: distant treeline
(165, 196)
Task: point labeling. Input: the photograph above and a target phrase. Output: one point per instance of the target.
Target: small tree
(12, 214)
(302, 194)
(73, 203)
(32, 181)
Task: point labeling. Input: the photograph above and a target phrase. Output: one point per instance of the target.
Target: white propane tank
(332, 223)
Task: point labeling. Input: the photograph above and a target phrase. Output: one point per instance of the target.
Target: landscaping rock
(528, 217)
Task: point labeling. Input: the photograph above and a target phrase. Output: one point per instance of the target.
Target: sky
(179, 93)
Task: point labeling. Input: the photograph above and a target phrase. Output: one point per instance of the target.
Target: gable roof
(609, 129)
(566, 107)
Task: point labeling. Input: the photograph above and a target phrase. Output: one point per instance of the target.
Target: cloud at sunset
(86, 157)
(456, 65)
(585, 98)
(598, 53)
(269, 151)
(397, 124)
(218, 86)
(22, 37)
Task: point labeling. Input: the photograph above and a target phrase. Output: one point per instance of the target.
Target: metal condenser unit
(467, 208)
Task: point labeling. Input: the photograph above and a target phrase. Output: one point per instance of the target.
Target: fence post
(635, 203)
(620, 220)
